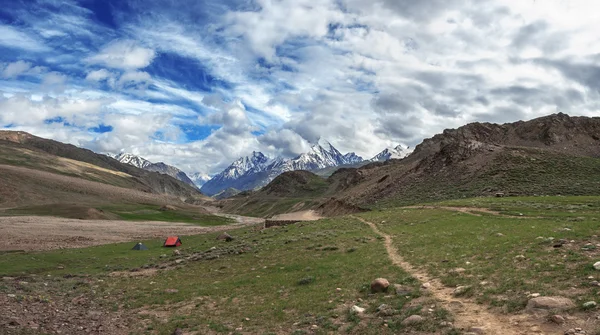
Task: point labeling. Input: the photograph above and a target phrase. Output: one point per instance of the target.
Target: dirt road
(44, 233)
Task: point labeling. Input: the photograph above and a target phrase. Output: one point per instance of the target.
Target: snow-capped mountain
(241, 174)
(160, 167)
(257, 170)
(131, 159)
(398, 152)
(199, 178)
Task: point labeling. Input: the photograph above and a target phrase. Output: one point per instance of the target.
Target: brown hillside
(31, 146)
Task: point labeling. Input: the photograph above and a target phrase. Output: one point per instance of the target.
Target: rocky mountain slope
(398, 152)
(556, 154)
(25, 150)
(257, 170)
(160, 167)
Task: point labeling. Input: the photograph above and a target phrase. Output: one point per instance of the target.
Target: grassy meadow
(304, 278)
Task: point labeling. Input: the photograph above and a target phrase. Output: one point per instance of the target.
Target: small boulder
(597, 265)
(357, 310)
(558, 319)
(554, 303)
(460, 290)
(385, 310)
(176, 252)
(379, 285)
(590, 305)
(225, 237)
(413, 320)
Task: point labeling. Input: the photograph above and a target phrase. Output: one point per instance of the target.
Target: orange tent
(172, 241)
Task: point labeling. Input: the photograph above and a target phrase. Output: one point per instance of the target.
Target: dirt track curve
(468, 314)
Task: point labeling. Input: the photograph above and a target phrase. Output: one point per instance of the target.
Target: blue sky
(199, 83)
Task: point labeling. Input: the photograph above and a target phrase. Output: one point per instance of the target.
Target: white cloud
(22, 110)
(54, 82)
(123, 54)
(10, 37)
(99, 75)
(15, 69)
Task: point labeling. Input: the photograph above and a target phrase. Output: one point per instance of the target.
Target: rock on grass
(550, 303)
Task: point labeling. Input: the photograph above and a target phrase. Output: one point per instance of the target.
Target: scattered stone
(176, 252)
(338, 289)
(357, 310)
(385, 310)
(402, 290)
(553, 303)
(460, 290)
(379, 285)
(171, 290)
(558, 319)
(499, 234)
(225, 237)
(426, 285)
(534, 295)
(314, 327)
(576, 331)
(163, 255)
(457, 270)
(590, 304)
(597, 265)
(477, 330)
(179, 261)
(11, 295)
(520, 257)
(413, 320)
(178, 331)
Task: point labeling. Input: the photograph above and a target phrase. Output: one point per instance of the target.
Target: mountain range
(159, 167)
(550, 155)
(257, 170)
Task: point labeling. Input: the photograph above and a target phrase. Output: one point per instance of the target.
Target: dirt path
(44, 233)
(468, 314)
(309, 215)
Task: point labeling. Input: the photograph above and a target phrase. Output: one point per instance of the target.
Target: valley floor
(46, 232)
(474, 266)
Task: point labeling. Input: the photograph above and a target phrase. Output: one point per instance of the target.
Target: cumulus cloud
(15, 69)
(123, 54)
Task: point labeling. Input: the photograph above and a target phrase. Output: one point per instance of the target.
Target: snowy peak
(132, 159)
(398, 152)
(160, 167)
(257, 170)
(199, 178)
(352, 158)
(255, 162)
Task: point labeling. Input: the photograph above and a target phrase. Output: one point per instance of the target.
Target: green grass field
(504, 258)
(286, 279)
(128, 212)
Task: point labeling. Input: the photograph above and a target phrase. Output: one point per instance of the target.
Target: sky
(199, 83)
